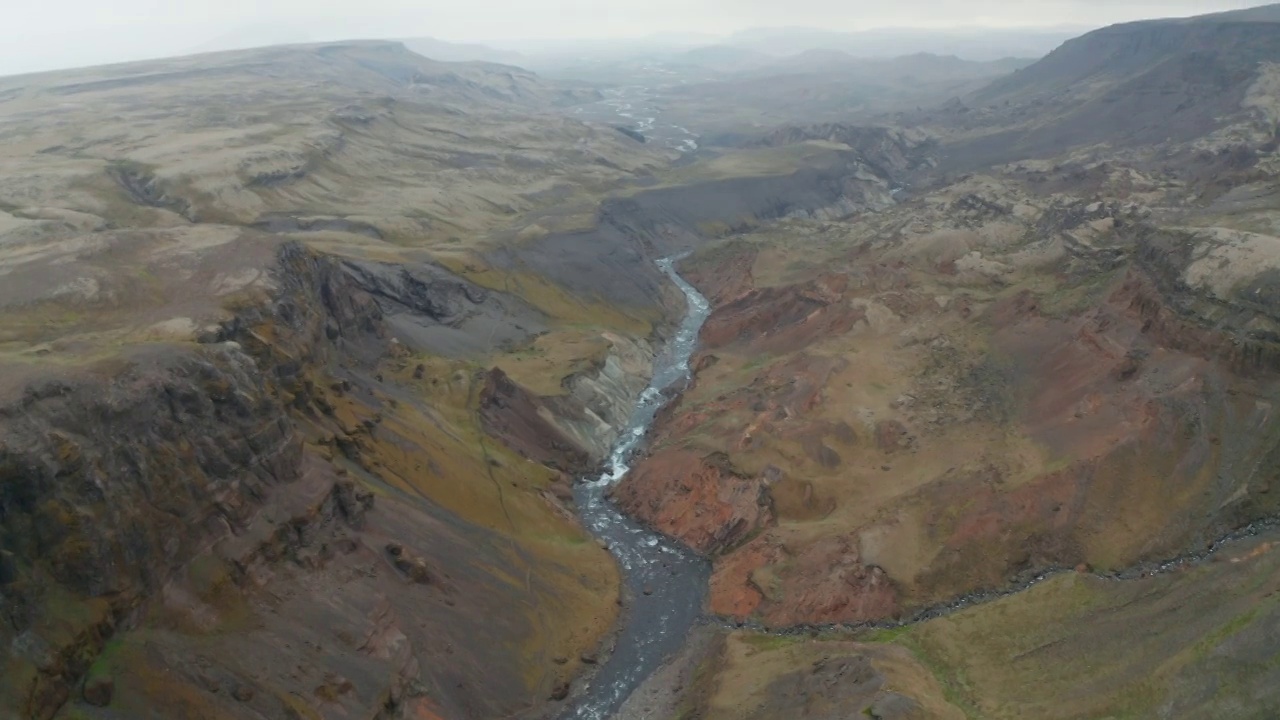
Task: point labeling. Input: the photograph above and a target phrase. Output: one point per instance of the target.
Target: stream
(637, 107)
(666, 583)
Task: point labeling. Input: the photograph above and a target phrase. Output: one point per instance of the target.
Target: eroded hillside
(1018, 424)
(301, 351)
(245, 458)
(303, 348)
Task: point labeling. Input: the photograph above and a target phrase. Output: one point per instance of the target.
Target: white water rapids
(656, 624)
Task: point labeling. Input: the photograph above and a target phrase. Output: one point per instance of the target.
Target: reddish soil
(725, 279)
(701, 500)
(1129, 407)
(784, 319)
(825, 582)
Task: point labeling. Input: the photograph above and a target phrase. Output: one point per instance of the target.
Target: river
(666, 583)
(637, 107)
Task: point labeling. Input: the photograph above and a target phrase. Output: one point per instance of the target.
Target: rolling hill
(1136, 84)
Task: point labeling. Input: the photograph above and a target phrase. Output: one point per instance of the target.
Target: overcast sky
(47, 34)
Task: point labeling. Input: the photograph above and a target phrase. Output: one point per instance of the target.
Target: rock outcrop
(530, 425)
(108, 488)
(702, 501)
(823, 582)
(240, 524)
(912, 402)
(573, 431)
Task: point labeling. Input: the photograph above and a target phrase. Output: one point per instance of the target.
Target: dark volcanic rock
(517, 417)
(98, 691)
(887, 150)
(134, 466)
(633, 134)
(182, 467)
(426, 289)
(891, 435)
(429, 307)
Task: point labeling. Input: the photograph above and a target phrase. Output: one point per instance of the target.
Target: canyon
(340, 382)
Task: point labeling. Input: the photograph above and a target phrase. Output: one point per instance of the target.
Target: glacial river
(666, 583)
(637, 107)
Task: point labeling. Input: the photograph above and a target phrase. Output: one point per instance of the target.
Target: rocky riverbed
(665, 583)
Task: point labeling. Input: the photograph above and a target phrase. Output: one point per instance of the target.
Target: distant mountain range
(753, 48)
(922, 64)
(1122, 53)
(978, 44)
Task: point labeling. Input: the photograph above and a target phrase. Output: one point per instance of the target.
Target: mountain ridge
(1134, 84)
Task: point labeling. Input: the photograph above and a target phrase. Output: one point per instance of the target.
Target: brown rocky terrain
(965, 416)
(242, 529)
(294, 394)
(302, 348)
(1061, 365)
(244, 466)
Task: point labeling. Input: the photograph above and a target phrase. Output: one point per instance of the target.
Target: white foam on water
(647, 559)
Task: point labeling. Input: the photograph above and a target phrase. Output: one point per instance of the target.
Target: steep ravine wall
(107, 486)
(1240, 329)
(112, 479)
(608, 393)
(613, 260)
(182, 486)
(1196, 450)
(180, 525)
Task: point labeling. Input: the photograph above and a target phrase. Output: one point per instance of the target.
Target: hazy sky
(45, 34)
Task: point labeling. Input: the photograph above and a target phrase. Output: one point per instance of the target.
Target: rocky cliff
(111, 485)
(264, 518)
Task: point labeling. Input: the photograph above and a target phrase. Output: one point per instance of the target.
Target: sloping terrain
(244, 418)
(1018, 424)
(462, 52)
(936, 405)
(1139, 84)
(983, 44)
(302, 348)
(1062, 345)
